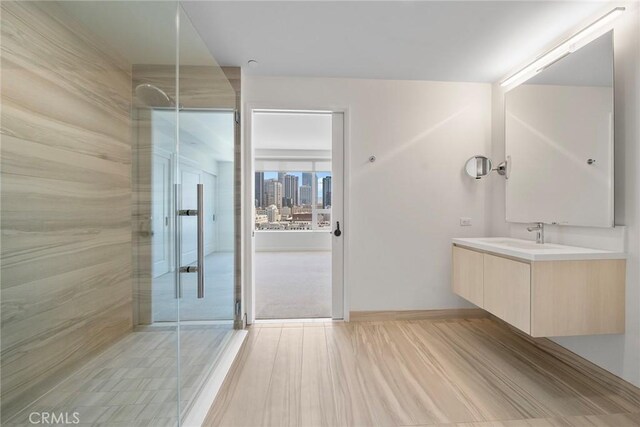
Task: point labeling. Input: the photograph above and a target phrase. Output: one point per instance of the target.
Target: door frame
(248, 178)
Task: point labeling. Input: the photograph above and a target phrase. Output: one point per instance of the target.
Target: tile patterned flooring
(134, 382)
(473, 372)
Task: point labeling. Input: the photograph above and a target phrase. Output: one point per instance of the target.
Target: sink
(532, 251)
(521, 244)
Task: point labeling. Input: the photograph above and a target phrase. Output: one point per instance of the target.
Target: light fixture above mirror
(569, 46)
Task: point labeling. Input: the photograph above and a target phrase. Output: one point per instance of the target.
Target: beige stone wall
(66, 197)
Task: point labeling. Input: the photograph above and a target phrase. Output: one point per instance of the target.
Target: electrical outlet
(465, 222)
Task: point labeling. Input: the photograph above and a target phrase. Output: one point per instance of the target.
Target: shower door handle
(199, 213)
(200, 227)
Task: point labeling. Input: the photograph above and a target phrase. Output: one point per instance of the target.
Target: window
(292, 201)
(323, 204)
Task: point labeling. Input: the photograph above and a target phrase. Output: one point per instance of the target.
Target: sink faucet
(539, 229)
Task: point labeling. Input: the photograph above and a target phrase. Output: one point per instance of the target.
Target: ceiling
(210, 132)
(478, 41)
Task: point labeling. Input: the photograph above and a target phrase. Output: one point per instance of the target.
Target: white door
(160, 206)
(210, 224)
(337, 215)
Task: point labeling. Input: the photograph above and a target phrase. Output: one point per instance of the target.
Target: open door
(298, 220)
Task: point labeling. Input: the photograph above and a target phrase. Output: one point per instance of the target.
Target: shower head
(153, 96)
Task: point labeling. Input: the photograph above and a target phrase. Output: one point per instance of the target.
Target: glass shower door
(206, 173)
(206, 225)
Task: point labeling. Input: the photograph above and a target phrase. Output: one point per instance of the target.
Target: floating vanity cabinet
(577, 297)
(544, 297)
(467, 278)
(507, 290)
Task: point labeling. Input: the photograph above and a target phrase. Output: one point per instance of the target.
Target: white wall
(403, 209)
(267, 241)
(284, 131)
(619, 354)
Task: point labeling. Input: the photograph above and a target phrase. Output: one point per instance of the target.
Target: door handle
(337, 231)
(199, 214)
(200, 240)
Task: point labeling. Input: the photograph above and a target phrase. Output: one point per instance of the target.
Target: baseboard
(574, 360)
(293, 249)
(448, 313)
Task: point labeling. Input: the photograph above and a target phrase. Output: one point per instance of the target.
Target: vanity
(558, 169)
(545, 290)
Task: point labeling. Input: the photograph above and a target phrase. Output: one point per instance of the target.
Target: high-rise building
(261, 219)
(259, 190)
(285, 212)
(305, 193)
(290, 190)
(307, 178)
(326, 192)
(273, 193)
(272, 212)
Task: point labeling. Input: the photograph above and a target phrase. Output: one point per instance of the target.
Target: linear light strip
(564, 48)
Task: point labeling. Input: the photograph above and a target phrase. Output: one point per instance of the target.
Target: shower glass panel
(206, 123)
(83, 229)
(114, 118)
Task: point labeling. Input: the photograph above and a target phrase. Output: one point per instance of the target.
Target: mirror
(478, 166)
(559, 141)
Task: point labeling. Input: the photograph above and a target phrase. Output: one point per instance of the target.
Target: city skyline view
(284, 200)
(319, 176)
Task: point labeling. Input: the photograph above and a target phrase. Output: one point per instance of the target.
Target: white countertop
(532, 251)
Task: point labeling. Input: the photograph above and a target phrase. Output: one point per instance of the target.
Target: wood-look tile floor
(405, 373)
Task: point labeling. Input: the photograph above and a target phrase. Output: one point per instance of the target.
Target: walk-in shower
(115, 118)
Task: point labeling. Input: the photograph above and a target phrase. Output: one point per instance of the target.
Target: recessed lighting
(252, 63)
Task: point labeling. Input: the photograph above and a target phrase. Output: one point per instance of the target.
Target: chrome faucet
(539, 229)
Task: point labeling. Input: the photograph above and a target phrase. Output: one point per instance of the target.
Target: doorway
(297, 223)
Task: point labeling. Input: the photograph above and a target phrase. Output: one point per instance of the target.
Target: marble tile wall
(66, 197)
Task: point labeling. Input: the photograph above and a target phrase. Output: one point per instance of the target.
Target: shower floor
(133, 382)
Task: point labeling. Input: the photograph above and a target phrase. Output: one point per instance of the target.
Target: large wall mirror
(559, 141)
